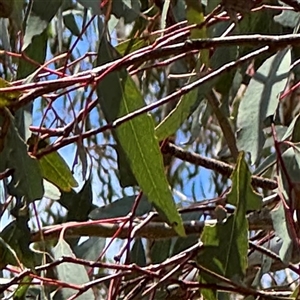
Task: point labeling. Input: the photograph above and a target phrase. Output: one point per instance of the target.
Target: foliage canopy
(149, 149)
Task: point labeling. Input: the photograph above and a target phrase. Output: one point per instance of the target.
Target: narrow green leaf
(23, 286)
(14, 246)
(242, 192)
(36, 50)
(55, 170)
(296, 130)
(171, 123)
(41, 14)
(120, 208)
(118, 96)
(260, 101)
(70, 273)
(125, 174)
(281, 228)
(290, 129)
(27, 179)
(131, 45)
(295, 294)
(90, 249)
(230, 236)
(184, 108)
(127, 9)
(69, 21)
(94, 5)
(160, 250)
(137, 253)
(78, 204)
(194, 15)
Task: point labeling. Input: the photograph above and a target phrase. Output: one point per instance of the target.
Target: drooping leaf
(125, 173)
(94, 5)
(21, 291)
(287, 18)
(69, 21)
(241, 188)
(70, 272)
(291, 158)
(40, 15)
(128, 9)
(78, 204)
(226, 244)
(296, 130)
(180, 243)
(15, 241)
(137, 253)
(90, 249)
(27, 178)
(36, 51)
(56, 170)
(260, 101)
(195, 15)
(131, 45)
(281, 228)
(184, 108)
(119, 96)
(160, 250)
(121, 208)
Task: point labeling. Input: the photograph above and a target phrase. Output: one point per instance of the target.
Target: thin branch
(215, 165)
(153, 230)
(150, 53)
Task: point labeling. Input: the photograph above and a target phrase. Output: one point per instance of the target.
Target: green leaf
(120, 208)
(40, 15)
(182, 243)
(290, 129)
(195, 15)
(23, 286)
(94, 5)
(131, 45)
(14, 246)
(7, 98)
(260, 101)
(291, 159)
(69, 21)
(36, 50)
(125, 174)
(160, 250)
(287, 18)
(184, 108)
(128, 9)
(242, 189)
(78, 204)
(70, 272)
(56, 170)
(90, 249)
(296, 130)
(281, 228)
(118, 96)
(230, 236)
(295, 293)
(137, 253)
(27, 179)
